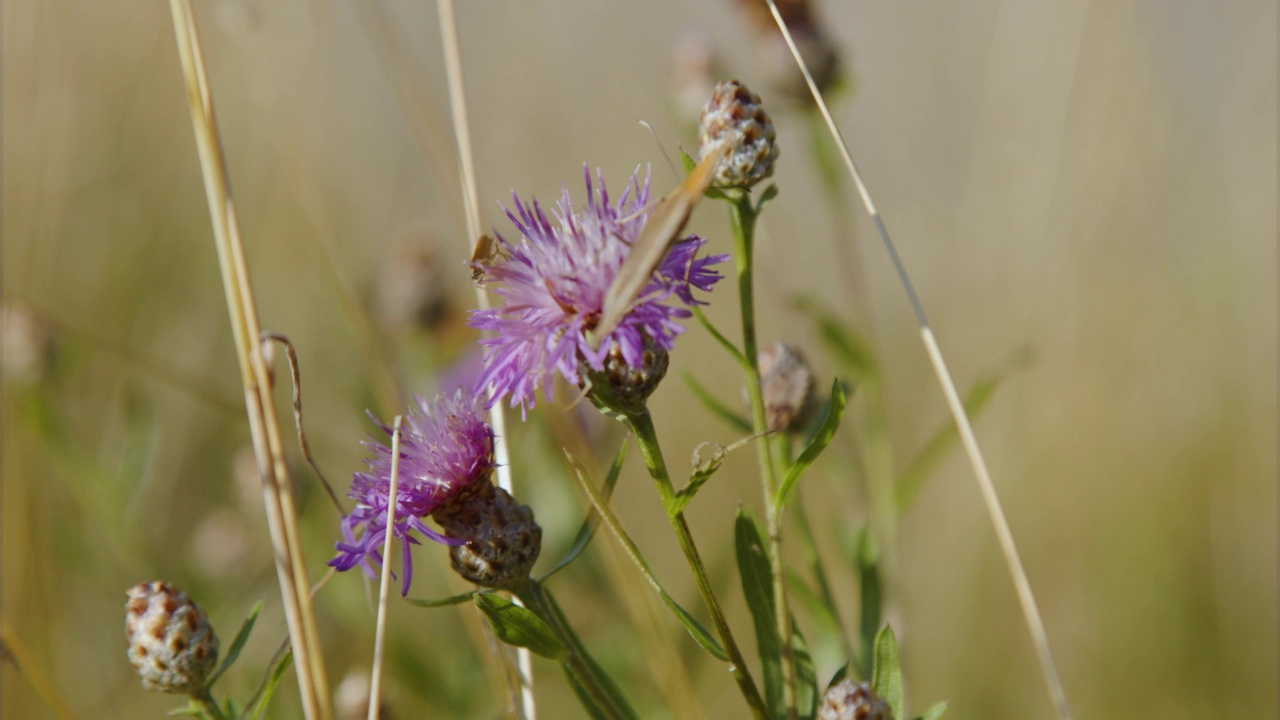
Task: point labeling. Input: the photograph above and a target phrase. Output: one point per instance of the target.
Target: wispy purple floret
(553, 282)
(445, 447)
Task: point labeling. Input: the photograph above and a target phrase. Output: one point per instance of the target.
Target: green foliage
(826, 431)
(806, 677)
(735, 420)
(933, 713)
(273, 682)
(518, 626)
(757, 587)
(592, 521)
(886, 672)
(869, 592)
(442, 602)
(242, 636)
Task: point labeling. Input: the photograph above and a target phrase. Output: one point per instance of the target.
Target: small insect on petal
(665, 222)
(485, 252)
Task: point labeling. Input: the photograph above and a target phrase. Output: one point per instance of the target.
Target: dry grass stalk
(1027, 600)
(263, 423)
(380, 631)
(466, 167)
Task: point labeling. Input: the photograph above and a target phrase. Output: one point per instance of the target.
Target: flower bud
(847, 700)
(786, 381)
(29, 345)
(171, 642)
(735, 115)
(628, 386)
(502, 540)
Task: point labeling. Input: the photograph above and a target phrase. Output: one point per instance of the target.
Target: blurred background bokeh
(1091, 185)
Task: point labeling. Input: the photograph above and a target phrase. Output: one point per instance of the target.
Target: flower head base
(553, 282)
(171, 643)
(445, 449)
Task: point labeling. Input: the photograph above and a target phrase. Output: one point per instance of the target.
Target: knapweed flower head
(553, 282)
(446, 449)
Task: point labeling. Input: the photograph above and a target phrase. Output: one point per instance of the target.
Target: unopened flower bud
(786, 382)
(847, 700)
(628, 386)
(171, 642)
(734, 115)
(502, 540)
(819, 53)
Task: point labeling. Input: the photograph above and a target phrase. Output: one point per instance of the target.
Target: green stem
(641, 425)
(208, 705)
(584, 669)
(742, 218)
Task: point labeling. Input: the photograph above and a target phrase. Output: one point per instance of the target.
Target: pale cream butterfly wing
(666, 220)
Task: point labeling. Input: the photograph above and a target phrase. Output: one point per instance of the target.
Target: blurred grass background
(1093, 181)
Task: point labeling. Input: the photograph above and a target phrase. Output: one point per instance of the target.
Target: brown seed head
(786, 381)
(847, 700)
(502, 539)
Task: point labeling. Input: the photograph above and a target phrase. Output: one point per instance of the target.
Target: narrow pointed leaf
(769, 193)
(441, 602)
(926, 462)
(870, 593)
(273, 682)
(934, 713)
(806, 677)
(594, 711)
(886, 672)
(822, 438)
(735, 420)
(518, 626)
(700, 635)
(242, 637)
(849, 348)
(592, 521)
(720, 338)
(757, 587)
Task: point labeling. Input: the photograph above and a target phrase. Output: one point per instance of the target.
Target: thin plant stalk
(641, 425)
(470, 201)
(742, 216)
(255, 376)
(384, 582)
(209, 706)
(1026, 598)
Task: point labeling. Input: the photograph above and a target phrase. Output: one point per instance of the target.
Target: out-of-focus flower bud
(847, 700)
(786, 382)
(171, 643)
(735, 115)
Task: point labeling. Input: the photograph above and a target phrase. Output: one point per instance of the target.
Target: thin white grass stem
(1022, 586)
(263, 423)
(384, 588)
(466, 167)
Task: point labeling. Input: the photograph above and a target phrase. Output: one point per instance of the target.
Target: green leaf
(757, 587)
(518, 626)
(273, 682)
(700, 635)
(769, 193)
(588, 703)
(814, 603)
(735, 420)
(441, 602)
(868, 561)
(844, 671)
(848, 346)
(934, 712)
(886, 673)
(192, 708)
(926, 462)
(592, 521)
(703, 470)
(687, 162)
(806, 677)
(826, 431)
(242, 636)
(720, 338)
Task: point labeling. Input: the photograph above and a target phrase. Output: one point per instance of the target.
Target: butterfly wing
(666, 220)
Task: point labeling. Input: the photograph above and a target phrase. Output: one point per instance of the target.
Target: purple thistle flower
(553, 283)
(445, 447)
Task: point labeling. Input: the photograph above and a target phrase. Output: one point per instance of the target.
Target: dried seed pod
(735, 116)
(631, 385)
(171, 642)
(786, 381)
(847, 700)
(502, 540)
